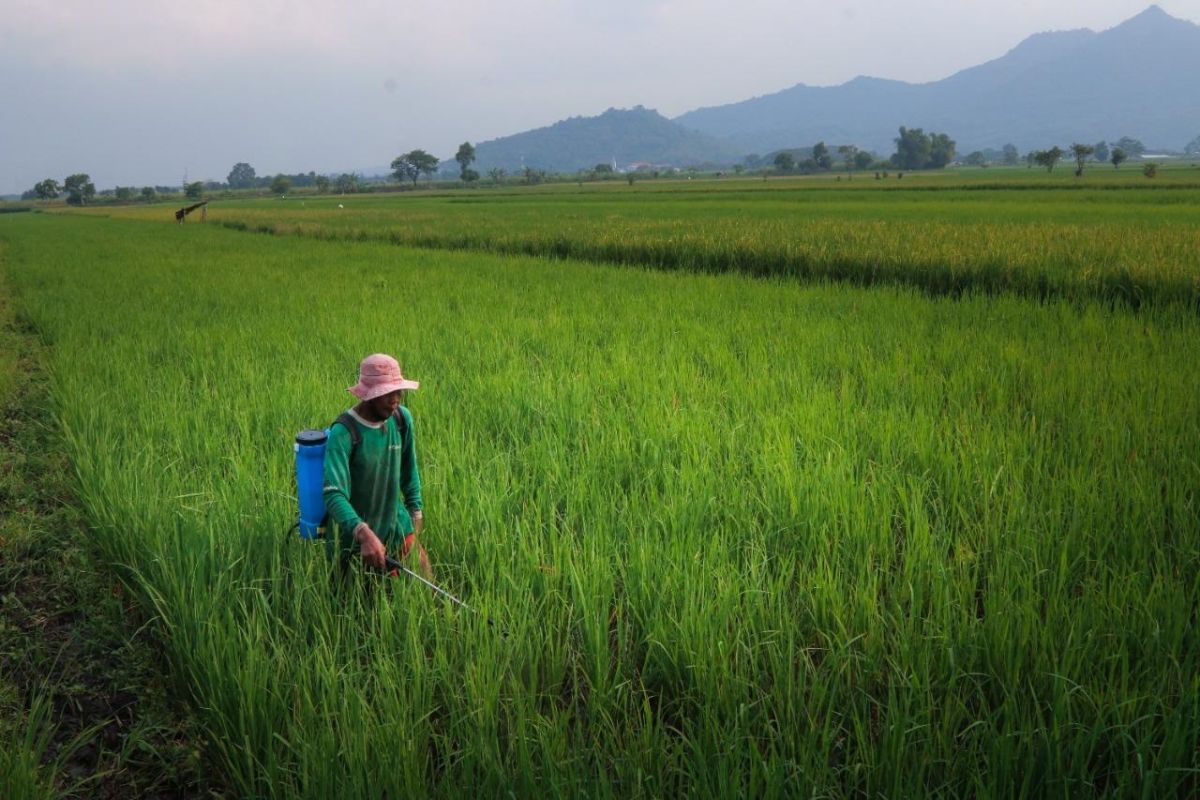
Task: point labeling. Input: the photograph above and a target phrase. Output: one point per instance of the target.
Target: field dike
(83, 711)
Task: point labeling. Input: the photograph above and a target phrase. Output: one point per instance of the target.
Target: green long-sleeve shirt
(379, 485)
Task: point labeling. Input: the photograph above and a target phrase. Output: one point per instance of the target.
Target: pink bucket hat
(379, 374)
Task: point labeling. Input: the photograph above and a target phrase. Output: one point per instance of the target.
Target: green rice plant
(22, 775)
(747, 537)
(944, 235)
(8, 345)
(32, 765)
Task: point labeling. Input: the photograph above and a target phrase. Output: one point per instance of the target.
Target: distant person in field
(372, 484)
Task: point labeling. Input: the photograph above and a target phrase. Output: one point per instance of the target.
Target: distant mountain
(626, 136)
(1140, 79)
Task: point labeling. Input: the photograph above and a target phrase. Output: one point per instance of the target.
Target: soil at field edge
(68, 633)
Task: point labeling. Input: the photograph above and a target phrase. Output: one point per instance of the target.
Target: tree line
(915, 150)
(1083, 154)
(78, 189)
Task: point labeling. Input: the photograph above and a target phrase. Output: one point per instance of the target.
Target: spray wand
(394, 567)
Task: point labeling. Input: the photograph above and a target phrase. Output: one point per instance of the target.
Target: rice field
(1110, 236)
(744, 536)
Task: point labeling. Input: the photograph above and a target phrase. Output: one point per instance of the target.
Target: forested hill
(624, 135)
(1140, 79)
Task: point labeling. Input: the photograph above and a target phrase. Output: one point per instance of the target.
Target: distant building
(646, 166)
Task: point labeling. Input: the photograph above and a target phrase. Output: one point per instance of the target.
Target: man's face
(385, 405)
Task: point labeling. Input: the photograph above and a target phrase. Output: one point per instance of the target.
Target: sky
(144, 92)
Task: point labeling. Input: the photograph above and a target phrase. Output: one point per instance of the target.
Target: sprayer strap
(347, 420)
(351, 425)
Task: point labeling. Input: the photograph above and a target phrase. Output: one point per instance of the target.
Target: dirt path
(83, 707)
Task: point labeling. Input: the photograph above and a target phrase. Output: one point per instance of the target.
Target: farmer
(372, 484)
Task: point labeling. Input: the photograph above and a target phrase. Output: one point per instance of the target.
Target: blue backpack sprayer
(310, 493)
(310, 482)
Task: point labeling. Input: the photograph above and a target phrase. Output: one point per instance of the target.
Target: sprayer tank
(310, 480)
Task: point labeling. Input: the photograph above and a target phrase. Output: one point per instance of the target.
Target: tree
(280, 184)
(848, 153)
(1030, 159)
(917, 150)
(784, 162)
(464, 157)
(820, 156)
(426, 163)
(47, 189)
(241, 176)
(1048, 158)
(1150, 169)
(148, 194)
(1100, 151)
(1132, 147)
(976, 159)
(79, 188)
(470, 175)
(863, 159)
(941, 151)
(1116, 157)
(1081, 153)
(193, 190)
(1011, 157)
(346, 183)
(123, 193)
(912, 149)
(1193, 147)
(322, 183)
(412, 165)
(405, 170)
(496, 174)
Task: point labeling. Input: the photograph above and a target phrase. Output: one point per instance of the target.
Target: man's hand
(374, 554)
(418, 521)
